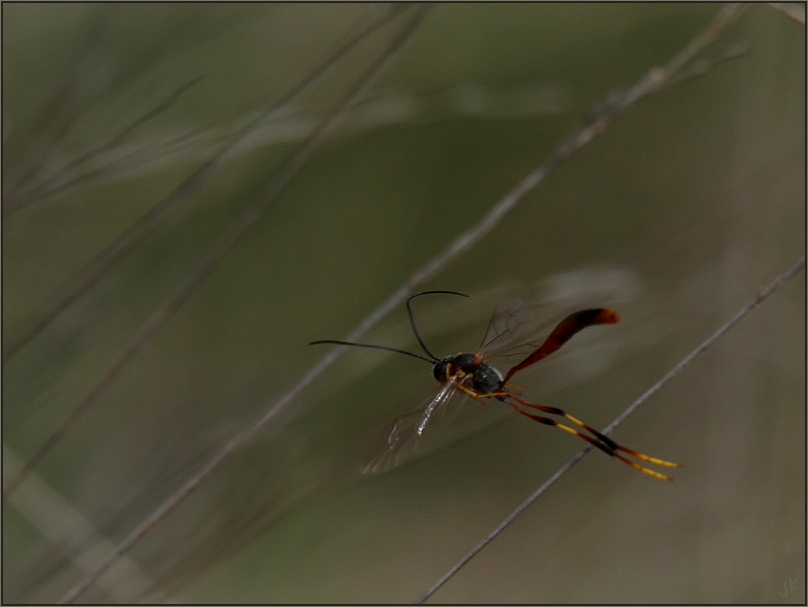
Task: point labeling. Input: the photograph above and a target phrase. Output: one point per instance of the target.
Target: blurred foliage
(676, 216)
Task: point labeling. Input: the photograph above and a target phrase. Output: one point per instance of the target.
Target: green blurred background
(677, 216)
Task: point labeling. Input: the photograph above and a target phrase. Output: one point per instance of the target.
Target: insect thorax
(485, 379)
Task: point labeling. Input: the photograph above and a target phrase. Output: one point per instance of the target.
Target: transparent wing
(514, 331)
(423, 430)
(512, 324)
(502, 324)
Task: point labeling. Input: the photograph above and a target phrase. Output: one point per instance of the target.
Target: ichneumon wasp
(470, 375)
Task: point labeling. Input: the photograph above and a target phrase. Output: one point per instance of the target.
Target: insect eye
(439, 371)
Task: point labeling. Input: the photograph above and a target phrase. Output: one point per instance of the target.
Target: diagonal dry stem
(603, 119)
(79, 169)
(158, 214)
(772, 288)
(792, 10)
(247, 220)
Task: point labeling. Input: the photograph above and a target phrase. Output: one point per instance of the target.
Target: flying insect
(471, 375)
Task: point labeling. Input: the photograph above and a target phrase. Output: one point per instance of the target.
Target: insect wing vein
(445, 393)
(509, 323)
(402, 440)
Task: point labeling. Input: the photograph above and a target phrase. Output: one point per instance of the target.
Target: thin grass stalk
(655, 80)
(247, 220)
(158, 214)
(764, 294)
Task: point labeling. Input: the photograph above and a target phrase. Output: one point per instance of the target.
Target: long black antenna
(432, 360)
(412, 318)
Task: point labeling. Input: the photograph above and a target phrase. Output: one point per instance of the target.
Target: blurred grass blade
(254, 212)
(147, 224)
(772, 288)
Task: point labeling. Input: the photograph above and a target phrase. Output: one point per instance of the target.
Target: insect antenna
(412, 318)
(432, 360)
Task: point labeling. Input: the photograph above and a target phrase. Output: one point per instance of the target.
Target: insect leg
(602, 437)
(603, 446)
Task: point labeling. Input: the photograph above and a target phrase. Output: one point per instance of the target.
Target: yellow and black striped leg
(603, 442)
